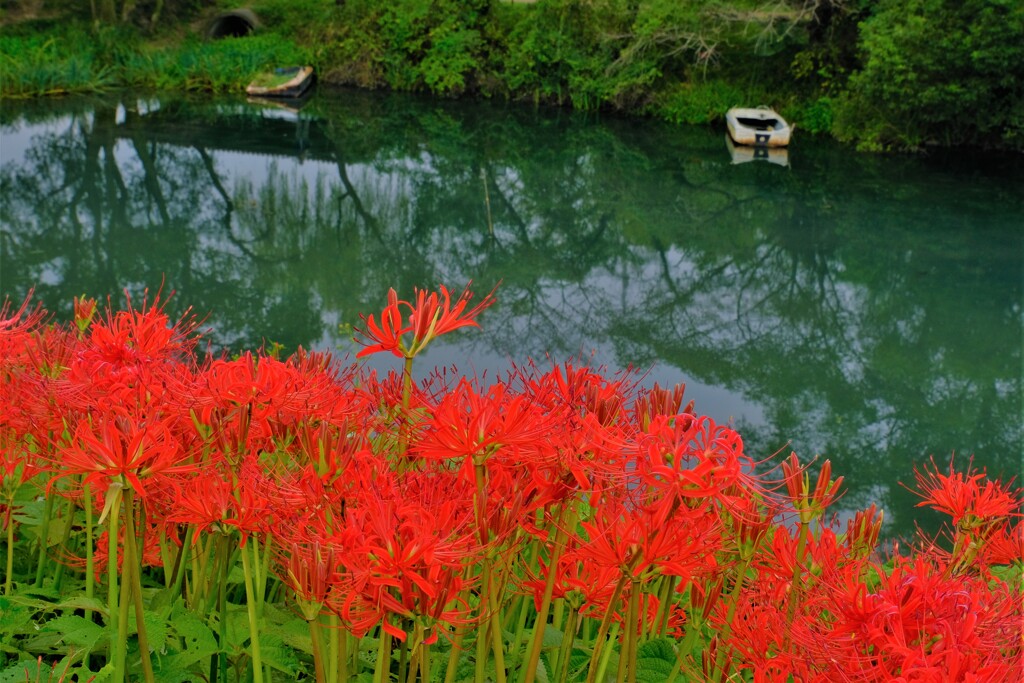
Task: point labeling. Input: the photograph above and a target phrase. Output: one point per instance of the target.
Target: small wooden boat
(759, 127)
(284, 82)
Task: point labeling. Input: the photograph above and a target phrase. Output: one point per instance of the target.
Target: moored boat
(758, 126)
(283, 82)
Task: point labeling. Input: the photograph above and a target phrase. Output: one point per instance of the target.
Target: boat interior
(759, 124)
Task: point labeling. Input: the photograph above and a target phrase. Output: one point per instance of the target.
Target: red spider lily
(243, 404)
(757, 632)
(410, 561)
(431, 316)
(311, 571)
(589, 445)
(122, 449)
(692, 459)
(222, 503)
(634, 540)
(1005, 545)
(469, 426)
(809, 505)
(129, 353)
(968, 497)
(85, 311)
(658, 401)
(862, 531)
(16, 327)
(919, 623)
(387, 336)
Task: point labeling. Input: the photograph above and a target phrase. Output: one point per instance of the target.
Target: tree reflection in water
(866, 309)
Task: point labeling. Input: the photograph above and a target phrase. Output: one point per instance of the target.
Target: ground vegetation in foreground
(174, 516)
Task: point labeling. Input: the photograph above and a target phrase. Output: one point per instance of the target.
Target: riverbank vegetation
(885, 74)
(173, 517)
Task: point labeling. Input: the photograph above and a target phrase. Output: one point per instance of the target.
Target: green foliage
(817, 117)
(221, 65)
(63, 61)
(938, 71)
(883, 73)
(701, 101)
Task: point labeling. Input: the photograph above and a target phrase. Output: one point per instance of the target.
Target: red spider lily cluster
(556, 499)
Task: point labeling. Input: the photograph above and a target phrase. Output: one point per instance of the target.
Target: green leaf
(552, 637)
(83, 603)
(653, 670)
(27, 670)
(295, 634)
(76, 630)
(199, 644)
(659, 648)
(13, 618)
(542, 672)
(278, 655)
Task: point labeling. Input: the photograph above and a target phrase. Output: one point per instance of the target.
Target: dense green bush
(938, 71)
(883, 73)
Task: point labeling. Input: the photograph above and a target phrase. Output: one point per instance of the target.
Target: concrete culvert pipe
(233, 24)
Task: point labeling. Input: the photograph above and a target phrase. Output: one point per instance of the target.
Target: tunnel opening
(234, 24)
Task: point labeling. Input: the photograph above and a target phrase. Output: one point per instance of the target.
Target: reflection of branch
(507, 203)
(151, 178)
(229, 205)
(350, 191)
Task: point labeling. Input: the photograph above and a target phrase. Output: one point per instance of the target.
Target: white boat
(759, 127)
(285, 82)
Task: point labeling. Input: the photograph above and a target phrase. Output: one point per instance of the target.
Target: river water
(863, 308)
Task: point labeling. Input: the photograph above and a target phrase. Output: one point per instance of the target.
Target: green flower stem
(10, 550)
(250, 604)
(178, 573)
(341, 635)
(58, 572)
(537, 638)
(561, 671)
(118, 634)
(694, 626)
(497, 642)
(223, 555)
(633, 622)
(668, 584)
(453, 656)
(723, 636)
(606, 656)
(264, 573)
(132, 565)
(482, 625)
(90, 561)
(382, 669)
(332, 648)
(602, 633)
(316, 635)
(416, 655)
(403, 419)
(797, 587)
(403, 653)
(124, 595)
(44, 539)
(424, 661)
(522, 613)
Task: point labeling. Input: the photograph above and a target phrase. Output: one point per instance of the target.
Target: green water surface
(862, 308)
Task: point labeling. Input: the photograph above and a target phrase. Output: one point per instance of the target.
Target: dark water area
(863, 308)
